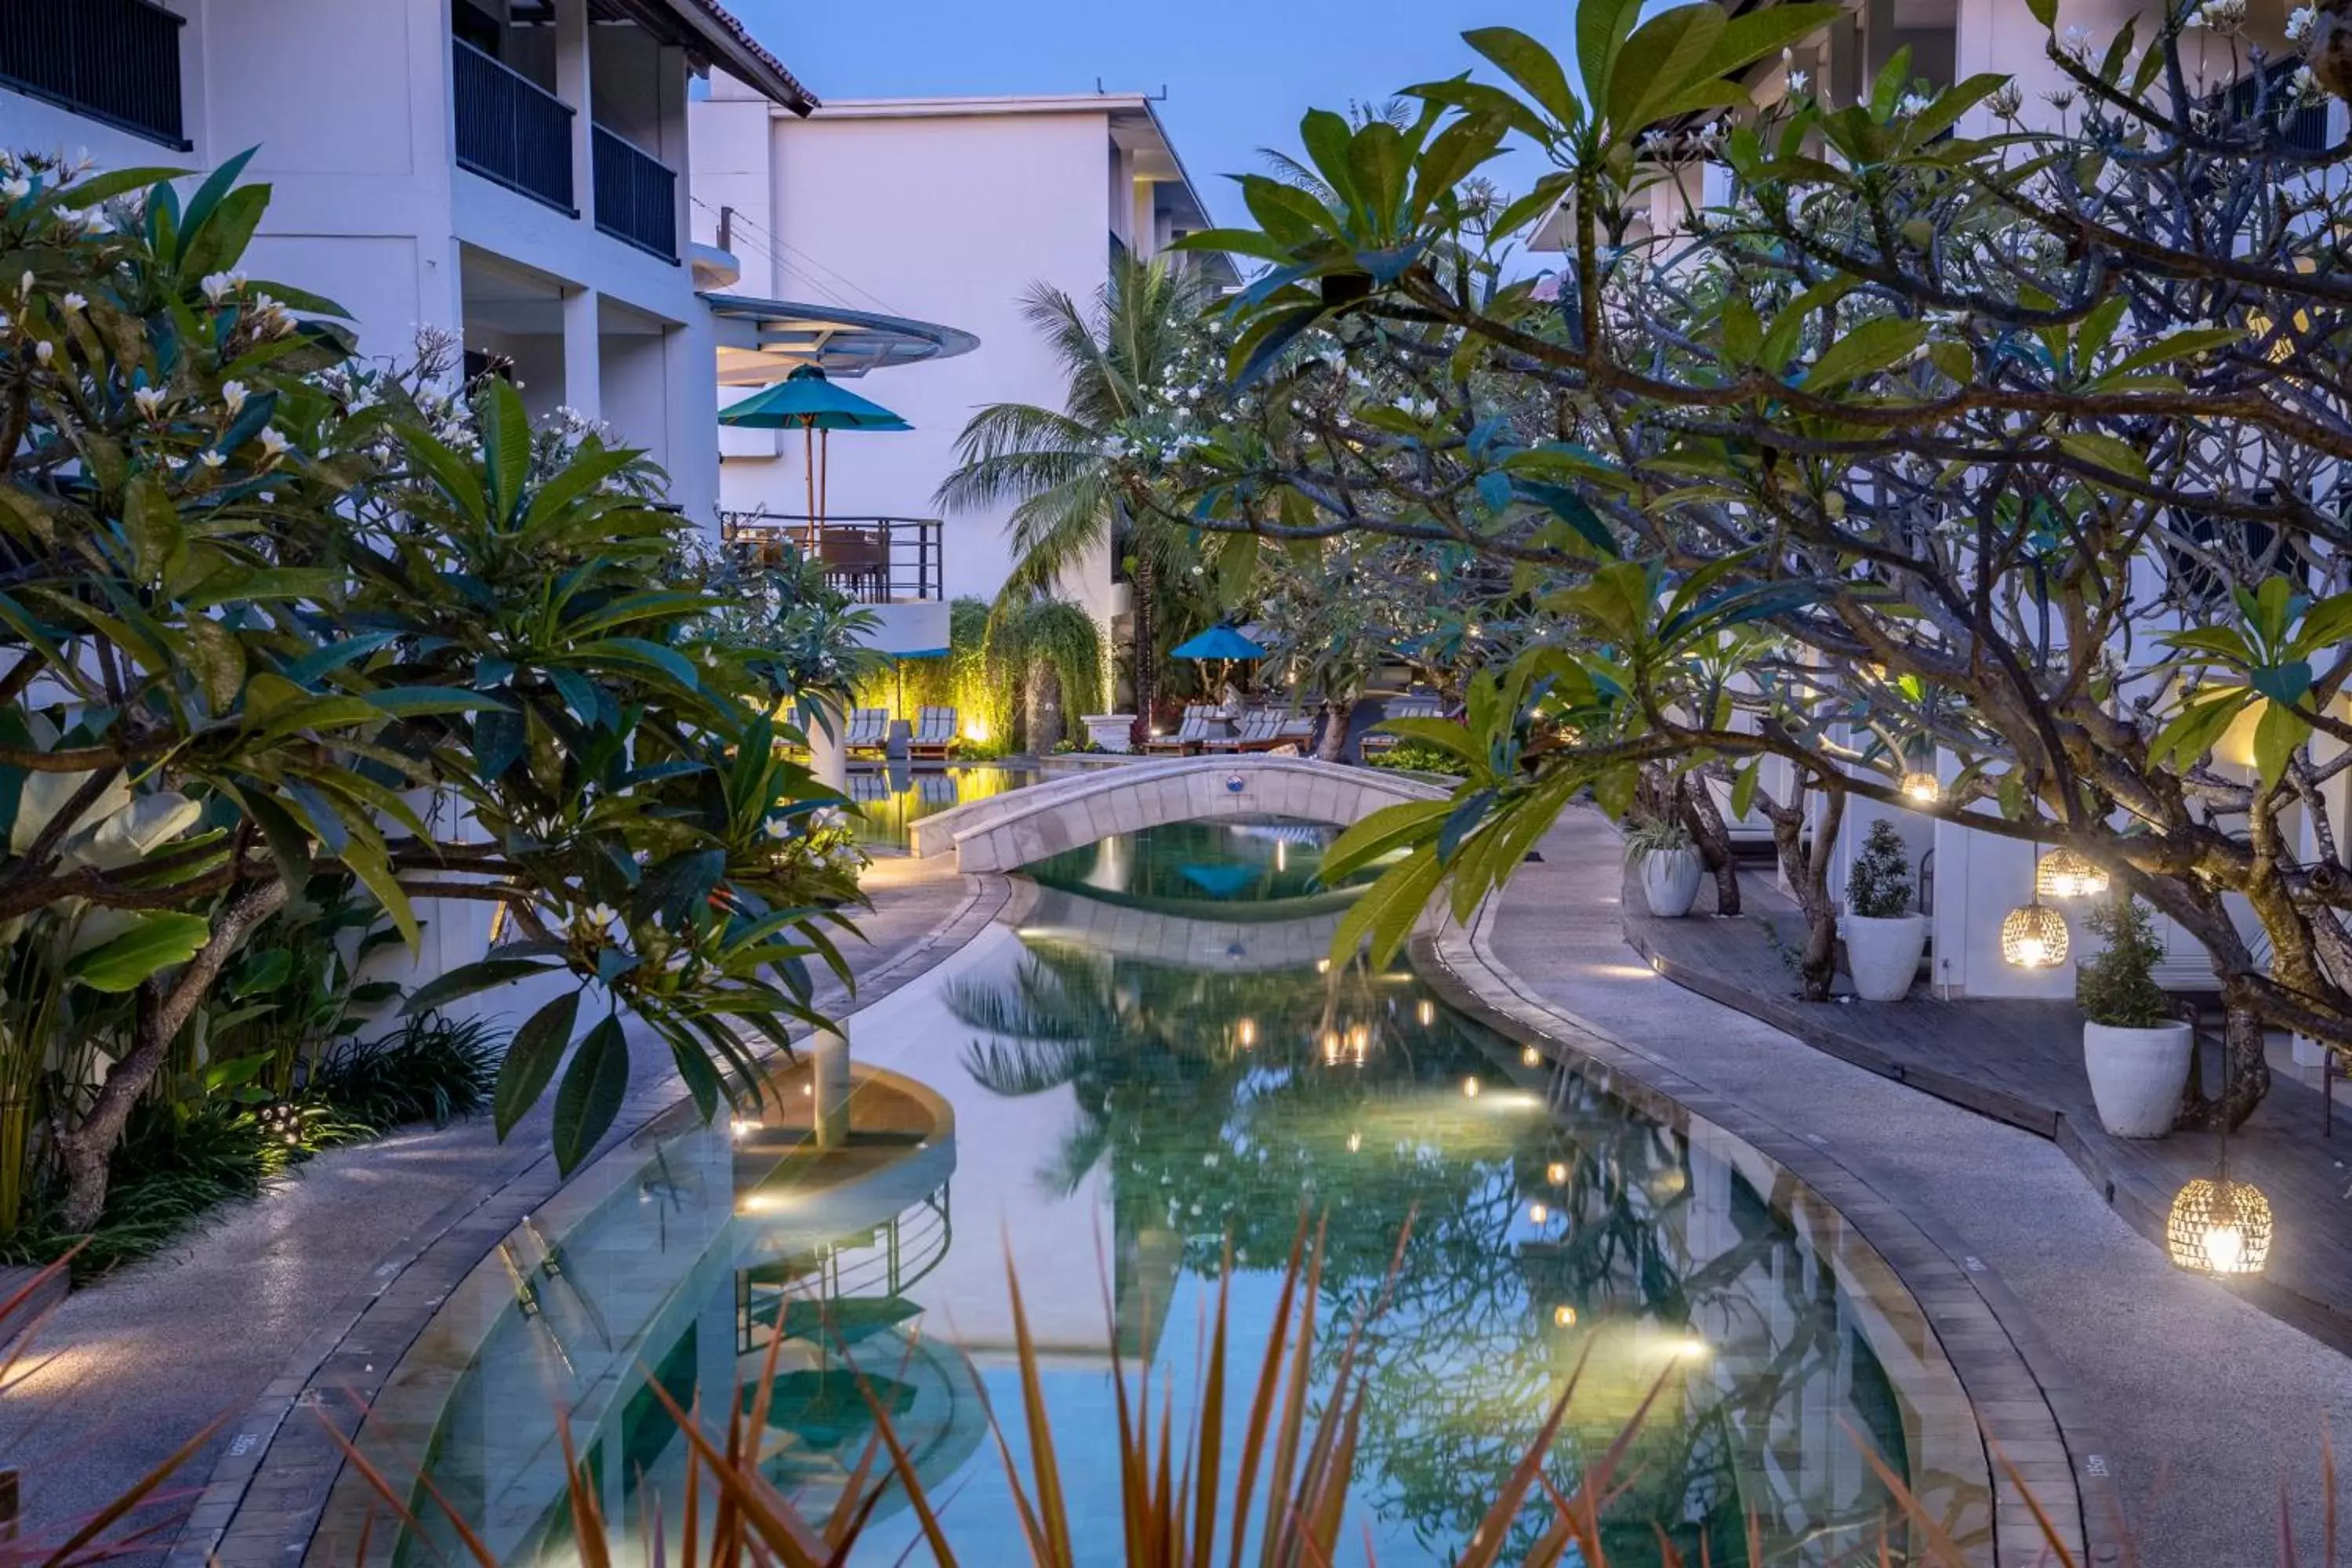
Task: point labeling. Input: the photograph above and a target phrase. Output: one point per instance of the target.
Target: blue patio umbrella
(1217, 642)
(808, 401)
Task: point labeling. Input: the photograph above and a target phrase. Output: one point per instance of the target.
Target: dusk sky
(1239, 73)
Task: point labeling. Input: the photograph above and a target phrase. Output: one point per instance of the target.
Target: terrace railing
(510, 130)
(111, 60)
(874, 560)
(636, 194)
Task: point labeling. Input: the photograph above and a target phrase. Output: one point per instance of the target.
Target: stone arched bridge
(1009, 830)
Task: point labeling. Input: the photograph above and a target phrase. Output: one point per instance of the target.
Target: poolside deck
(2021, 1062)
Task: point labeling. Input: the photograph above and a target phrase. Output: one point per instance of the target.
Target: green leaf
(152, 525)
(531, 1059)
(2108, 452)
(156, 943)
(2277, 733)
(1385, 912)
(1534, 67)
(1662, 57)
(590, 1096)
(468, 978)
(505, 448)
(2288, 683)
(1866, 350)
(1389, 828)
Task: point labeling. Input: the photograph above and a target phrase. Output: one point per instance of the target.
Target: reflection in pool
(1132, 1093)
(891, 798)
(1255, 867)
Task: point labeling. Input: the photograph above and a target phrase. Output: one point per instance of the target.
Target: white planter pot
(1882, 955)
(1111, 731)
(2137, 1076)
(1670, 881)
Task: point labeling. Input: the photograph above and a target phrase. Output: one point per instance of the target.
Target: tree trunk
(1808, 871)
(2245, 1077)
(1140, 586)
(1338, 711)
(1705, 823)
(1044, 725)
(86, 1152)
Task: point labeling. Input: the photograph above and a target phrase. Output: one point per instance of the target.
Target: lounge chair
(1260, 731)
(1191, 735)
(868, 730)
(1408, 707)
(935, 735)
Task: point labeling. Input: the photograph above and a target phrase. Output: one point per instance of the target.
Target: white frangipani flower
(1798, 81)
(15, 187)
(273, 442)
(150, 400)
(211, 457)
(600, 916)
(232, 396)
(2299, 23)
(45, 351)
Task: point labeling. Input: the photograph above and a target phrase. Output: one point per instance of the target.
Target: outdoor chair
(935, 735)
(868, 730)
(1260, 731)
(1407, 707)
(1191, 735)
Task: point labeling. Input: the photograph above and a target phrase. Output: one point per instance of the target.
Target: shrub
(1414, 756)
(2117, 986)
(433, 1068)
(1879, 886)
(1651, 836)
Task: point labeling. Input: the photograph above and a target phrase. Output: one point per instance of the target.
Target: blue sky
(1239, 73)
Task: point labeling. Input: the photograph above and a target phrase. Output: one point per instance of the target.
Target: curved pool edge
(2013, 1383)
(263, 1500)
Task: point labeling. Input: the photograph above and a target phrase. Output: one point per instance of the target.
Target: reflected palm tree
(1348, 1100)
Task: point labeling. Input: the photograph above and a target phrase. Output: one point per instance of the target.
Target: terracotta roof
(744, 55)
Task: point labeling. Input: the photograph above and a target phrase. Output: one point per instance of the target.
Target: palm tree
(1067, 470)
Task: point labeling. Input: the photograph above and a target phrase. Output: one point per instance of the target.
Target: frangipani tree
(264, 616)
(2021, 440)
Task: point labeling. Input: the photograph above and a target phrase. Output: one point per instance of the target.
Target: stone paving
(232, 1325)
(2189, 1415)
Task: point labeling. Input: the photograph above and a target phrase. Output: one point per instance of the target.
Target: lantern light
(1530, 1057)
(2064, 874)
(1922, 786)
(2035, 936)
(1470, 1088)
(2219, 1227)
(1563, 1317)
(1426, 1014)
(1539, 1214)
(1556, 1174)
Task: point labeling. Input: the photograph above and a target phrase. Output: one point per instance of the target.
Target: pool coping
(2023, 1401)
(266, 1495)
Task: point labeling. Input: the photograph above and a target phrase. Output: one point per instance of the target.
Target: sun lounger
(1191, 734)
(934, 737)
(868, 730)
(1260, 731)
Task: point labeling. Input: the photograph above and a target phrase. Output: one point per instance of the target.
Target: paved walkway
(2198, 1406)
(126, 1371)
(2021, 1062)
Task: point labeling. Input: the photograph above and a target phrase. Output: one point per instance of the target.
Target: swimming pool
(1113, 1092)
(891, 798)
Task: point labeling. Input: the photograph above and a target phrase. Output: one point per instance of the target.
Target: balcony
(636, 195)
(511, 130)
(874, 560)
(116, 61)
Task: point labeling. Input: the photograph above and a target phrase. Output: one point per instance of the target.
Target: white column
(828, 759)
(571, 77)
(584, 372)
(829, 1065)
(673, 143)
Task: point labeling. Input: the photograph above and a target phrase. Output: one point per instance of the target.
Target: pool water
(891, 798)
(1234, 867)
(1133, 1093)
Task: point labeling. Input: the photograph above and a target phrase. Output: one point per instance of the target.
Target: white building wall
(940, 218)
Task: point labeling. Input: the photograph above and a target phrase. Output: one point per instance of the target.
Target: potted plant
(1884, 934)
(1669, 864)
(2136, 1052)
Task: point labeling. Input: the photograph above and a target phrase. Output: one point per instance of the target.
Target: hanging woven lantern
(2063, 874)
(1923, 787)
(2219, 1227)
(2035, 936)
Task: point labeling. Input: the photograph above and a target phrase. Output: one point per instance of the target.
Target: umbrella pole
(808, 467)
(824, 486)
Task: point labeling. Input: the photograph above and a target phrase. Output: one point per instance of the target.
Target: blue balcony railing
(636, 194)
(117, 62)
(510, 130)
